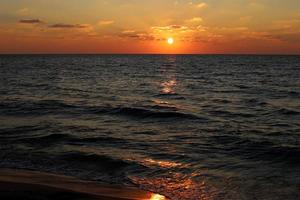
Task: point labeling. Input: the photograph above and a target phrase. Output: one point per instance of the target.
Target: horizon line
(179, 54)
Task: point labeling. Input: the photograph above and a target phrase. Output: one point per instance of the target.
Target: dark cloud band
(30, 21)
(67, 26)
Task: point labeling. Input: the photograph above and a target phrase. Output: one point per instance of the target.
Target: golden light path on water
(178, 187)
(161, 163)
(175, 185)
(157, 197)
(168, 87)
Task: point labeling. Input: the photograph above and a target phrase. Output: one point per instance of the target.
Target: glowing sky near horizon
(134, 26)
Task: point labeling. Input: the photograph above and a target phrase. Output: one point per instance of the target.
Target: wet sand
(31, 185)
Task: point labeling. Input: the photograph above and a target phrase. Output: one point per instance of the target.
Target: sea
(190, 127)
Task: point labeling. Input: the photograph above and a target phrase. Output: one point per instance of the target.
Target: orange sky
(134, 26)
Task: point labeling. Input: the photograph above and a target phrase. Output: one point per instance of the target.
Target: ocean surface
(188, 127)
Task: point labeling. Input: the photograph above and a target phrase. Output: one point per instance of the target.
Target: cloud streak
(201, 5)
(30, 21)
(68, 26)
(106, 22)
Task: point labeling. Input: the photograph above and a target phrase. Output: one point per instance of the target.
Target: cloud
(30, 21)
(201, 5)
(176, 27)
(23, 12)
(67, 26)
(138, 36)
(169, 28)
(106, 22)
(256, 5)
(286, 30)
(128, 31)
(195, 20)
(291, 24)
(290, 37)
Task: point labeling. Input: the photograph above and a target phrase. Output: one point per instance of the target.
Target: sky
(143, 26)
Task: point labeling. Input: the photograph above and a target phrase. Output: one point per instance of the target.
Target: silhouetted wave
(100, 161)
(146, 113)
(171, 96)
(59, 107)
(285, 111)
(21, 130)
(230, 114)
(258, 150)
(34, 107)
(58, 139)
(47, 139)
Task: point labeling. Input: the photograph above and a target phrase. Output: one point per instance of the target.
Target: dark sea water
(188, 127)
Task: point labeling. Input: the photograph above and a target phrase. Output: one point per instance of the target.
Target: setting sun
(170, 40)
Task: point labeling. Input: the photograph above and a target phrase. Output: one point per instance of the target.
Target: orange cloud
(195, 20)
(201, 5)
(106, 22)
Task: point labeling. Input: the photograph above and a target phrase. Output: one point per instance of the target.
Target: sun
(170, 40)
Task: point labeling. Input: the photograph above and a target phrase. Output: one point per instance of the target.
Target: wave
(45, 107)
(225, 113)
(81, 164)
(282, 111)
(171, 96)
(286, 111)
(97, 140)
(20, 130)
(143, 113)
(294, 94)
(47, 139)
(161, 107)
(58, 139)
(145, 133)
(103, 162)
(222, 101)
(147, 113)
(17, 107)
(258, 150)
(255, 102)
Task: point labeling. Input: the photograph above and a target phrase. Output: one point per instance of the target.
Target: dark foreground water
(188, 127)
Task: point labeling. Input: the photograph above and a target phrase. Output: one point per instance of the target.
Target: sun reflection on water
(178, 187)
(168, 87)
(157, 197)
(160, 102)
(161, 163)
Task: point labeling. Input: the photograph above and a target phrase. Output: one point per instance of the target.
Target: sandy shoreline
(31, 185)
